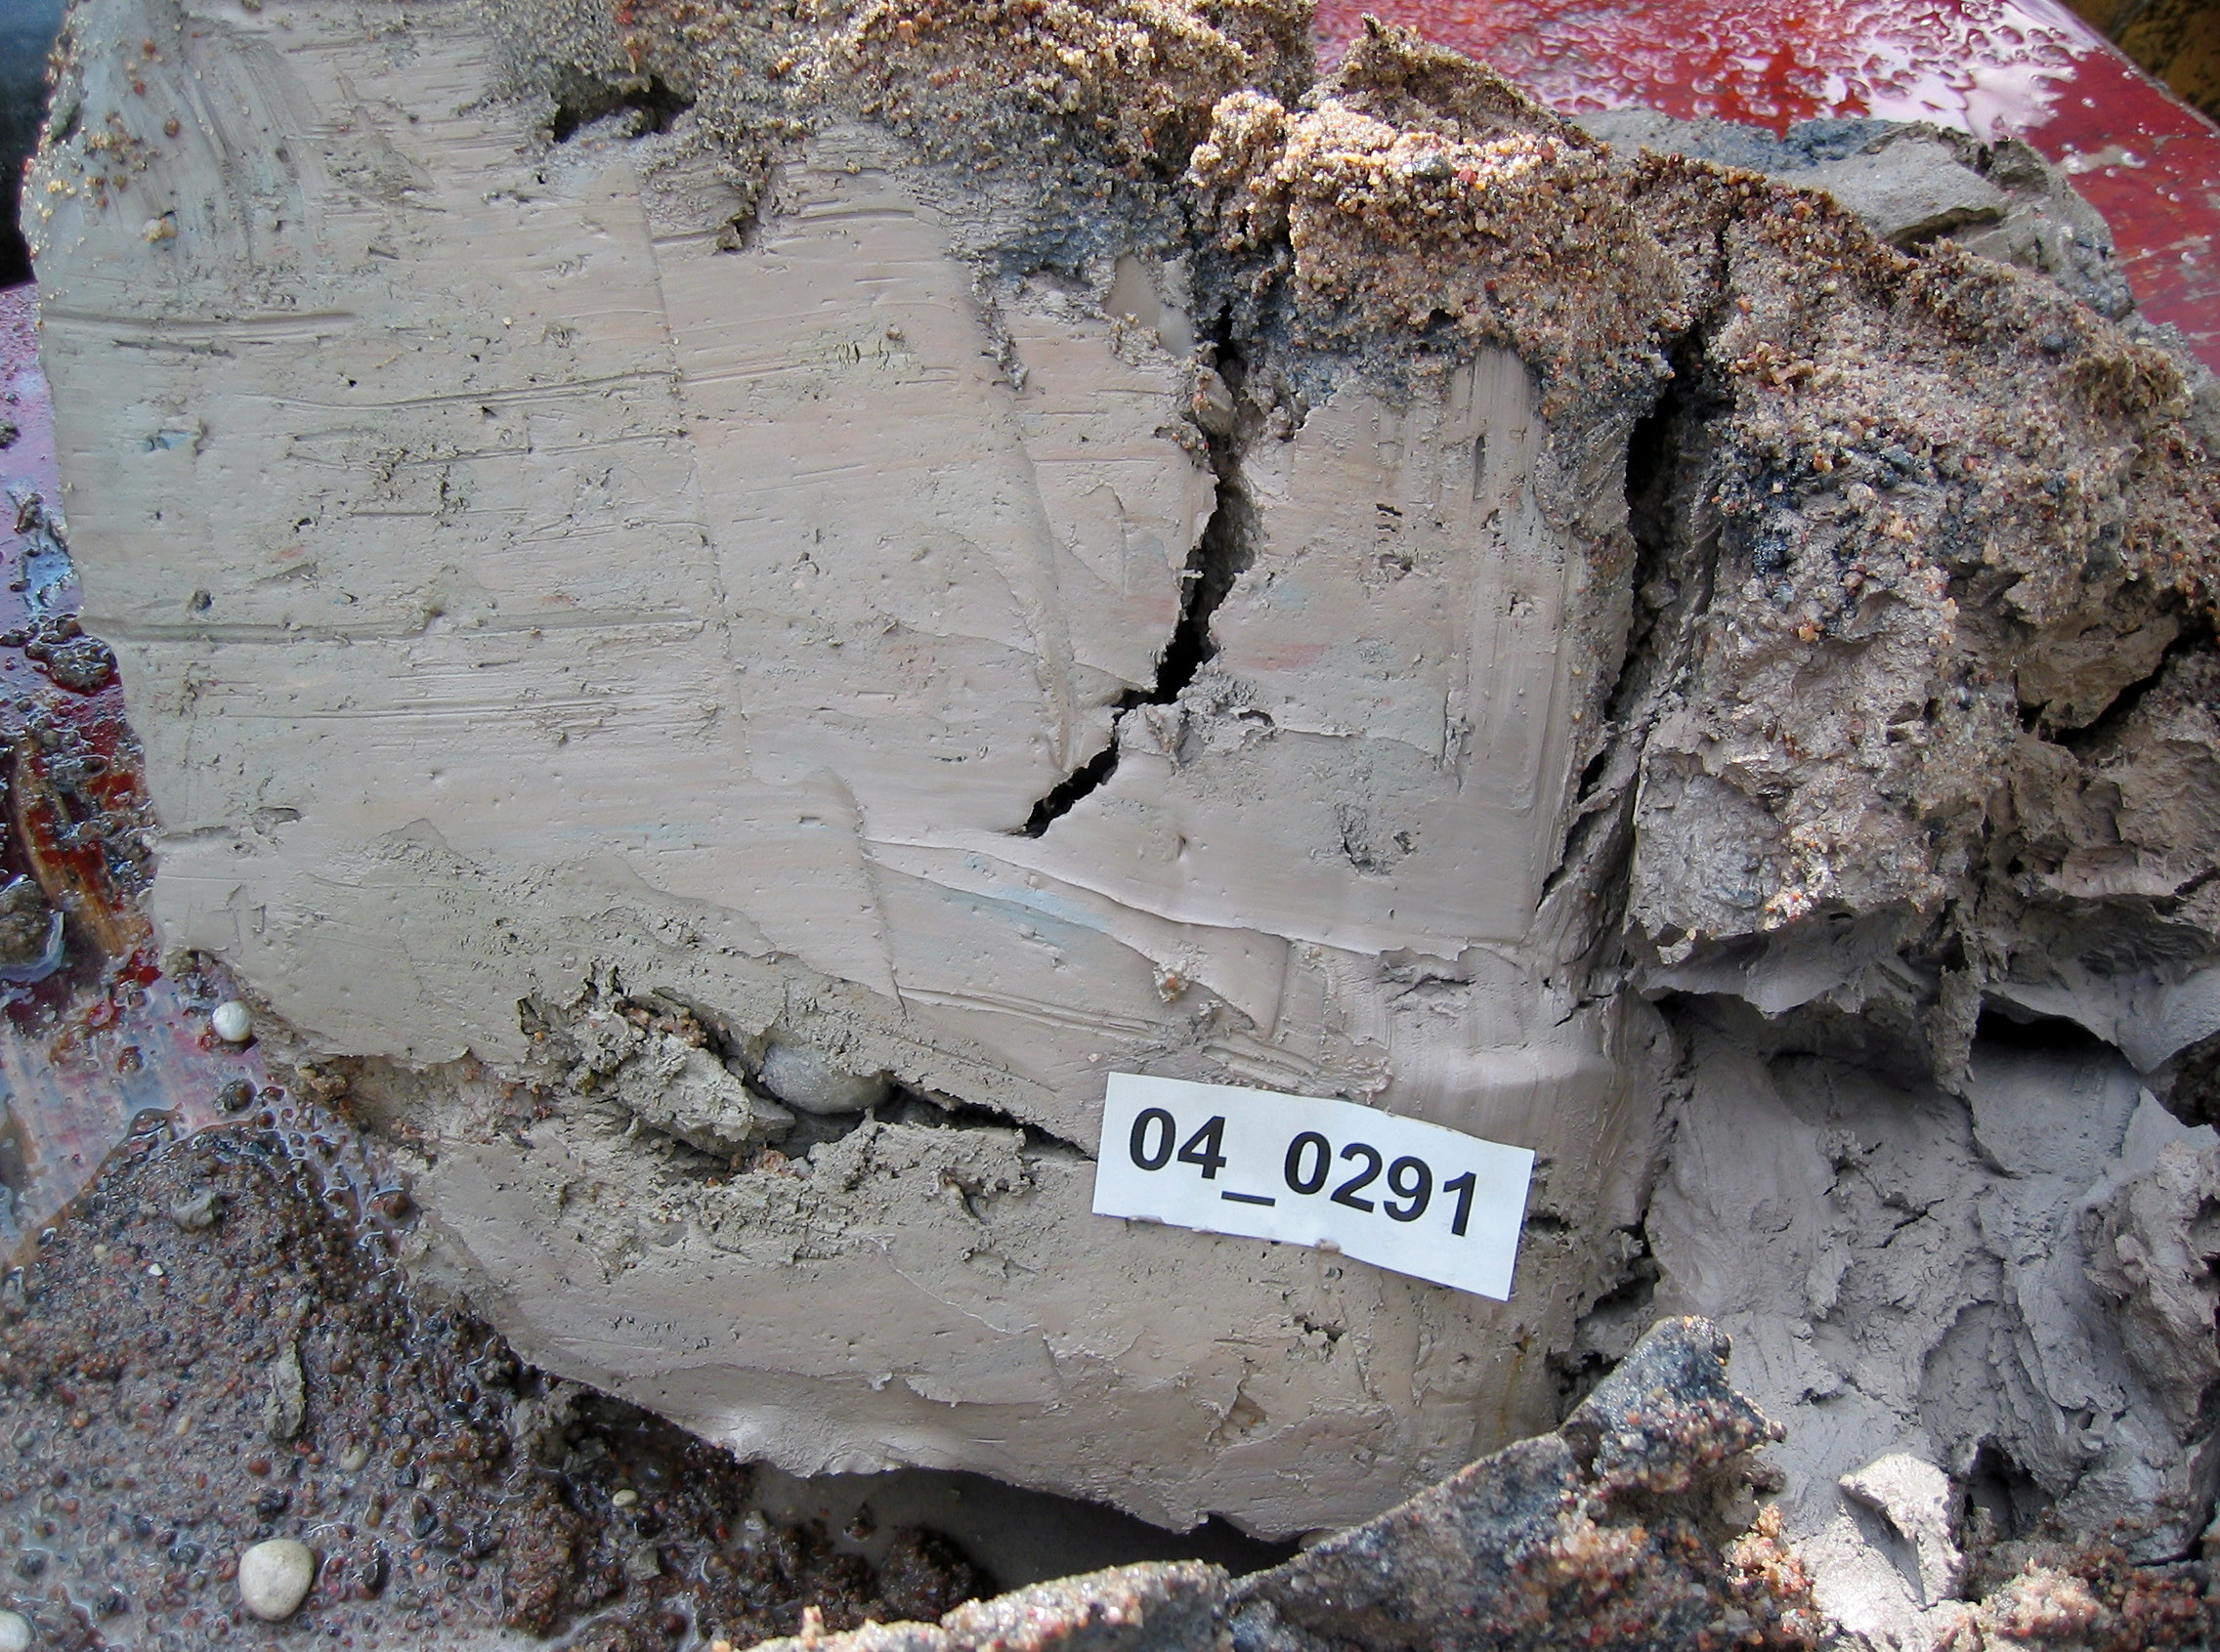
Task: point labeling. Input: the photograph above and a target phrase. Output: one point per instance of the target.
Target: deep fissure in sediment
(1221, 553)
(646, 1065)
(1676, 552)
(652, 107)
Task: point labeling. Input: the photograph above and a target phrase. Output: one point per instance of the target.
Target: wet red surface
(106, 1043)
(1992, 67)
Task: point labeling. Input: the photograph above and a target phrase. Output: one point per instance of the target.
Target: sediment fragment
(904, 560)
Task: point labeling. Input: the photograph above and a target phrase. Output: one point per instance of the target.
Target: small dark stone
(81, 665)
(26, 926)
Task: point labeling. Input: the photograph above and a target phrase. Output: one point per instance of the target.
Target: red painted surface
(1992, 67)
(107, 1045)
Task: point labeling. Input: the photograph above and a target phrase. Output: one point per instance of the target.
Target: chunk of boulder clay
(275, 1577)
(993, 552)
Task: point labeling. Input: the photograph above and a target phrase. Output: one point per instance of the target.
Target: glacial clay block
(740, 608)
(825, 608)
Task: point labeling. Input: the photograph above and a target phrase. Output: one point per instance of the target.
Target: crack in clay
(2106, 724)
(939, 1112)
(755, 1104)
(1671, 586)
(1220, 555)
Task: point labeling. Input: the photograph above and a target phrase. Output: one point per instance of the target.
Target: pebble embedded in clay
(30, 933)
(806, 1080)
(275, 1577)
(1917, 1499)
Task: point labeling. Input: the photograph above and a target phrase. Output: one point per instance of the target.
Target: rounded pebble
(15, 1633)
(275, 1577)
(229, 1022)
(806, 1078)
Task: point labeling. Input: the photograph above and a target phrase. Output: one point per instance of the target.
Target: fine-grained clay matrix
(732, 607)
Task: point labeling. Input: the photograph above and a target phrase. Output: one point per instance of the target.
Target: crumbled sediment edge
(1634, 1519)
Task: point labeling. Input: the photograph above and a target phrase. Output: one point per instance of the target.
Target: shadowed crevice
(1221, 553)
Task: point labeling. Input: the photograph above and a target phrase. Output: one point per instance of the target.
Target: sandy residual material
(730, 612)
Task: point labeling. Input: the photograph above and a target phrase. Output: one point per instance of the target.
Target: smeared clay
(963, 547)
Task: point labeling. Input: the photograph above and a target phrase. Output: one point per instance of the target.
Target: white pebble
(275, 1577)
(806, 1078)
(15, 1633)
(229, 1022)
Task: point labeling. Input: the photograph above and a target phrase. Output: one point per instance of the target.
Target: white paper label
(1404, 1195)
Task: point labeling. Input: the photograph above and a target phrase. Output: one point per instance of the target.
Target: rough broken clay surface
(994, 550)
(1898, 1266)
(1920, 1502)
